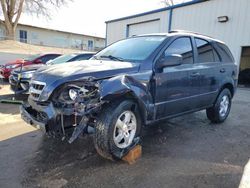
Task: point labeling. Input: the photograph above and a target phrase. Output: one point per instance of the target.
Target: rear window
(206, 52)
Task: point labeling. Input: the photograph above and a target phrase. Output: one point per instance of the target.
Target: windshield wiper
(112, 57)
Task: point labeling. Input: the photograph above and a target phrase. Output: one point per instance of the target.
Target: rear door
(172, 89)
(205, 73)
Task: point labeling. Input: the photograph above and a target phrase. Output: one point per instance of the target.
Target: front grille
(41, 116)
(36, 89)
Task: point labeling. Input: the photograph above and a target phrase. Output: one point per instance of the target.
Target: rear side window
(224, 52)
(206, 52)
(181, 46)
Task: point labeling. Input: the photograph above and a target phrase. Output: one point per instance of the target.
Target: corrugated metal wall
(118, 30)
(203, 18)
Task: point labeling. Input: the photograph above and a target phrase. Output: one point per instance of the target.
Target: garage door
(144, 28)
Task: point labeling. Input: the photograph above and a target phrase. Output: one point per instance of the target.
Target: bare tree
(12, 10)
(168, 3)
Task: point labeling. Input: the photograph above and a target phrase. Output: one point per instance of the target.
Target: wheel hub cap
(224, 105)
(125, 129)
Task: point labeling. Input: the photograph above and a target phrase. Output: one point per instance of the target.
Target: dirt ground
(183, 152)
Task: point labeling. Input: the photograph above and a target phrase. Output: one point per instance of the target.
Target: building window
(23, 36)
(90, 44)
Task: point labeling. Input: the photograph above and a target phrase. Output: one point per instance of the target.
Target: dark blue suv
(130, 84)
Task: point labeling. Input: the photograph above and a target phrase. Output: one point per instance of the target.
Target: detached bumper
(28, 118)
(44, 116)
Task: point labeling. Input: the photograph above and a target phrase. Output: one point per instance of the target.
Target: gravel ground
(185, 152)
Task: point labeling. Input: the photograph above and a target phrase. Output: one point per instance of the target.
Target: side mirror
(169, 60)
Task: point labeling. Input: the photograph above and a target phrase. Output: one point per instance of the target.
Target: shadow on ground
(183, 152)
(14, 153)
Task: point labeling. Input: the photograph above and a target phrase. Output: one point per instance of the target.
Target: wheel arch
(229, 86)
(127, 88)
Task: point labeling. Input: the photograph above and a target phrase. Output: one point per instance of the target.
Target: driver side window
(182, 46)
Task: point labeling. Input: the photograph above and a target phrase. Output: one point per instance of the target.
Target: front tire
(221, 109)
(116, 128)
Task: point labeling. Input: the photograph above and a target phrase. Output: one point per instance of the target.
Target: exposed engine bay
(70, 111)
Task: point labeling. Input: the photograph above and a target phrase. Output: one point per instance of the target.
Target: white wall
(144, 28)
(40, 36)
(203, 18)
(118, 30)
(2, 32)
(58, 39)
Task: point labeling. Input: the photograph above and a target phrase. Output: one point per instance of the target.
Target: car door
(203, 74)
(172, 92)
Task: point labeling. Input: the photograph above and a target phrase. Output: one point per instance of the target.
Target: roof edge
(157, 10)
(60, 31)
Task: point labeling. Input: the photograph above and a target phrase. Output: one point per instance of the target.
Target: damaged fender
(127, 86)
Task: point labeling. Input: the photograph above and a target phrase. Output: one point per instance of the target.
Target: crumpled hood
(55, 75)
(29, 68)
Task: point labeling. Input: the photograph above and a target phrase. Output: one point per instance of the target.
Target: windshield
(62, 59)
(32, 57)
(133, 49)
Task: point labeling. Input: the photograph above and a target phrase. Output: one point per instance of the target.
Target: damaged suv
(130, 84)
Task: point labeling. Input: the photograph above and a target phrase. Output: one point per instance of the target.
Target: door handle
(222, 70)
(195, 74)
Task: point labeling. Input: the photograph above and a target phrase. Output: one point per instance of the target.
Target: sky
(89, 16)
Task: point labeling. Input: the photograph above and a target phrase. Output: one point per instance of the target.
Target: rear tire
(117, 126)
(221, 109)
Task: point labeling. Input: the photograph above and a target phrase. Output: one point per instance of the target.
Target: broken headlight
(73, 94)
(78, 92)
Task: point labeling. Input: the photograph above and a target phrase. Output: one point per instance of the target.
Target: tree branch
(19, 12)
(5, 14)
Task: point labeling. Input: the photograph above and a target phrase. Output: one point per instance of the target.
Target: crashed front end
(70, 110)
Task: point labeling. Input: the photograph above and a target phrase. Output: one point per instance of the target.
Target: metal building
(226, 20)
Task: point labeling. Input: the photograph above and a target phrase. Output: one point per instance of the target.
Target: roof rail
(186, 31)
